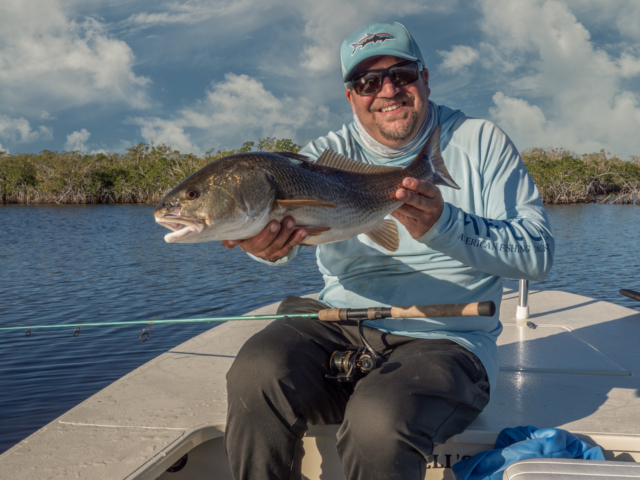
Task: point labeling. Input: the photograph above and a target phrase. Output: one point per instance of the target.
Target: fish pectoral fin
(293, 204)
(331, 159)
(385, 234)
(314, 230)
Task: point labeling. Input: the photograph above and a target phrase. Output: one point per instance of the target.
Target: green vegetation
(142, 175)
(565, 177)
(145, 173)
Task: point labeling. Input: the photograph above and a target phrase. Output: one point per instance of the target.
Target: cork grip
(480, 309)
(333, 315)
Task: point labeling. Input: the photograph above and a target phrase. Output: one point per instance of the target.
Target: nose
(174, 208)
(169, 207)
(388, 88)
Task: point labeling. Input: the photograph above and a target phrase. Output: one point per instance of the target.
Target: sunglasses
(401, 74)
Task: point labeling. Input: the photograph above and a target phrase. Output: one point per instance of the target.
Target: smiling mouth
(181, 227)
(391, 108)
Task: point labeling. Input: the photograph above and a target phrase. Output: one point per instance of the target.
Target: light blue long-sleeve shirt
(495, 226)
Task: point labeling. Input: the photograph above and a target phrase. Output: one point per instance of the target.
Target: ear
(349, 94)
(425, 76)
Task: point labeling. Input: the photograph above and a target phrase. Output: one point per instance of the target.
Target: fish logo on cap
(370, 38)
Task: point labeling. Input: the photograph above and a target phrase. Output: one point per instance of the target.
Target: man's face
(394, 115)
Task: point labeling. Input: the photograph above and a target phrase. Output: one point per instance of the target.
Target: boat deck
(578, 369)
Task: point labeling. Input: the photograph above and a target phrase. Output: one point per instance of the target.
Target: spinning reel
(352, 364)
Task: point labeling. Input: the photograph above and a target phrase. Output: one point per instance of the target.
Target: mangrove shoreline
(146, 172)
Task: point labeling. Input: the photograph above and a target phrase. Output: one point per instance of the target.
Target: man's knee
(282, 369)
(282, 359)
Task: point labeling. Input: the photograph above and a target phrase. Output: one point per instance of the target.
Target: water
(78, 264)
(596, 251)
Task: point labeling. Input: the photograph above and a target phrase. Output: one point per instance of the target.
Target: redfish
(334, 198)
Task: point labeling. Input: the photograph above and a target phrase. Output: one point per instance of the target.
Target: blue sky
(200, 75)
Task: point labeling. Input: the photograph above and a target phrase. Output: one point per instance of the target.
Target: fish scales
(361, 199)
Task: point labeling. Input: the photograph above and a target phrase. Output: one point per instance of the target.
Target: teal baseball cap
(377, 38)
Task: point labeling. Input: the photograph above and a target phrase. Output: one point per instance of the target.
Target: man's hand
(274, 241)
(423, 205)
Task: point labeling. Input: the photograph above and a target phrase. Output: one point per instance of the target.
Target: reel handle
(476, 309)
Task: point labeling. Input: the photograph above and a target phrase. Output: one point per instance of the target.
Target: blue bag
(520, 443)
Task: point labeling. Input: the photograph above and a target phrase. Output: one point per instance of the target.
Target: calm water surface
(78, 264)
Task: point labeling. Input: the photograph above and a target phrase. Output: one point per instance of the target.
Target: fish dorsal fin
(433, 154)
(331, 159)
(295, 156)
(385, 234)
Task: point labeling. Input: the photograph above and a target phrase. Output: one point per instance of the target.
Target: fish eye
(192, 194)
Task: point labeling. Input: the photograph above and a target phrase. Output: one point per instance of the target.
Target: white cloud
(169, 132)
(624, 14)
(187, 13)
(569, 92)
(46, 116)
(459, 57)
(528, 124)
(77, 141)
(628, 19)
(233, 111)
(629, 65)
(495, 60)
(2, 149)
(49, 60)
(18, 130)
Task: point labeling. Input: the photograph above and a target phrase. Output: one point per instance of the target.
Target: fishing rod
(477, 309)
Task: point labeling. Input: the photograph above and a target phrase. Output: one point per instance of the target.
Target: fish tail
(429, 162)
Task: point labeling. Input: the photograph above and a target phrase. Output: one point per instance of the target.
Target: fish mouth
(181, 226)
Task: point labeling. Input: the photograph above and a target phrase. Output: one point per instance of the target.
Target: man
(455, 246)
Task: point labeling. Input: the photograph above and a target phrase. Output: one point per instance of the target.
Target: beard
(404, 131)
(399, 133)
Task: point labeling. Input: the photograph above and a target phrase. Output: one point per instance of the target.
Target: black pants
(425, 392)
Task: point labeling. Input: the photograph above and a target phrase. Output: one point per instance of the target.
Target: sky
(201, 75)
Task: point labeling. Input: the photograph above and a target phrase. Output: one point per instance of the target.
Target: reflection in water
(74, 264)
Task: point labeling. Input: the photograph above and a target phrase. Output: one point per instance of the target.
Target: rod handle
(476, 309)
(630, 294)
(333, 314)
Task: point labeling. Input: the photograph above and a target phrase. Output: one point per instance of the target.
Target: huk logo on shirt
(371, 38)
